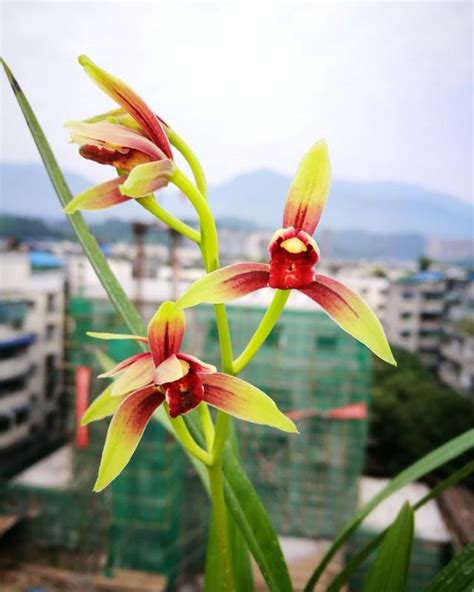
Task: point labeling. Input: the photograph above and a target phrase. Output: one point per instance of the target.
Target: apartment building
(31, 348)
(415, 312)
(457, 348)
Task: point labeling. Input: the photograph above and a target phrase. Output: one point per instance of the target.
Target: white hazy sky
(251, 85)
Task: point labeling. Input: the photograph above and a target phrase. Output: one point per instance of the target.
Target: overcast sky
(389, 85)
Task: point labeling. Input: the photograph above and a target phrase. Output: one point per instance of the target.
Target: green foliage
(457, 576)
(390, 569)
(413, 413)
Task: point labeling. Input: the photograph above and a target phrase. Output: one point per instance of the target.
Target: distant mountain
(256, 199)
(371, 207)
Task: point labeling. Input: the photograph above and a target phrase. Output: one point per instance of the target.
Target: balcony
(13, 367)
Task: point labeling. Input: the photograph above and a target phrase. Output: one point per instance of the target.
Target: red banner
(83, 385)
(350, 411)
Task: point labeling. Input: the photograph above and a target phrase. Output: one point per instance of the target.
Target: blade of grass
(458, 575)
(390, 569)
(358, 559)
(428, 463)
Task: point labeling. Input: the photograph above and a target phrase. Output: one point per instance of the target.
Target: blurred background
(251, 87)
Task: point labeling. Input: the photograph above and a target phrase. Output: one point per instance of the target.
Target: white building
(31, 347)
(415, 313)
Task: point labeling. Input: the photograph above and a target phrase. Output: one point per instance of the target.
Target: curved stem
(150, 204)
(209, 242)
(267, 323)
(188, 441)
(190, 158)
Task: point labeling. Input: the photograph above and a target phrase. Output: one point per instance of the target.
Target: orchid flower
(293, 256)
(132, 139)
(165, 375)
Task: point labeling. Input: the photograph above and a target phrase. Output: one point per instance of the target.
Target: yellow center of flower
(294, 245)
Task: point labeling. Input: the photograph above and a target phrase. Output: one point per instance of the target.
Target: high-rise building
(31, 350)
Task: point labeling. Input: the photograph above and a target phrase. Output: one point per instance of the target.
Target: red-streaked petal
(131, 102)
(123, 365)
(243, 400)
(102, 406)
(196, 365)
(351, 313)
(117, 136)
(171, 370)
(136, 376)
(309, 190)
(148, 178)
(166, 331)
(226, 284)
(99, 197)
(107, 336)
(125, 431)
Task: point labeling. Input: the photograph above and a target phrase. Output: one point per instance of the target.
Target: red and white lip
(293, 255)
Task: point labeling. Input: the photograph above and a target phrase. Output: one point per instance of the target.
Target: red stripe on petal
(125, 431)
(166, 331)
(121, 366)
(351, 313)
(226, 284)
(196, 365)
(131, 102)
(137, 375)
(243, 400)
(99, 197)
(309, 190)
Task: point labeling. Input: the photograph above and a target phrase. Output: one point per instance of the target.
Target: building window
(50, 332)
(406, 315)
(326, 342)
(12, 385)
(51, 303)
(50, 376)
(432, 295)
(405, 334)
(5, 422)
(408, 295)
(22, 414)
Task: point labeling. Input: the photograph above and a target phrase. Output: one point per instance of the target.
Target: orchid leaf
(362, 555)
(390, 569)
(422, 467)
(458, 575)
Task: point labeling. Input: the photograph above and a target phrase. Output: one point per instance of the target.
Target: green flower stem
(216, 482)
(188, 441)
(267, 323)
(190, 158)
(207, 424)
(150, 204)
(209, 242)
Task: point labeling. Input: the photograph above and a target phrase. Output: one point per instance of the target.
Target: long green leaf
(357, 560)
(264, 545)
(390, 569)
(428, 463)
(96, 257)
(458, 575)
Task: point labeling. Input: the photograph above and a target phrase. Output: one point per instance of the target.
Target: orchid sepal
(104, 405)
(227, 283)
(99, 197)
(166, 331)
(309, 190)
(351, 313)
(112, 336)
(244, 401)
(125, 431)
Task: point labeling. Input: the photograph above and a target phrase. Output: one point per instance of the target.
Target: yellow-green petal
(102, 406)
(243, 400)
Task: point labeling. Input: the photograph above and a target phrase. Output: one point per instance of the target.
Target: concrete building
(415, 313)
(457, 348)
(31, 347)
